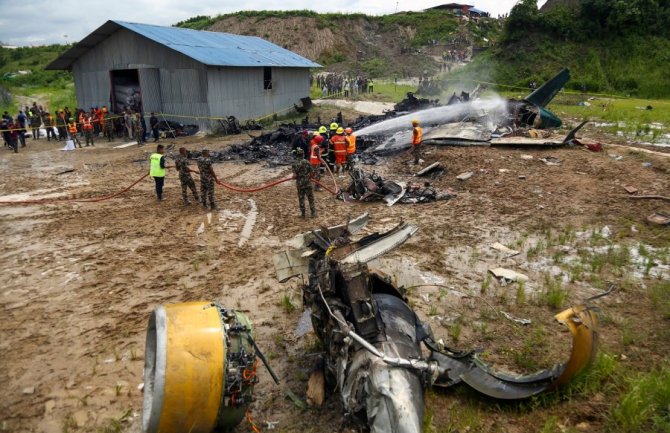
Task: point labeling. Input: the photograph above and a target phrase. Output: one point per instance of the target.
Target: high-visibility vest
(72, 128)
(155, 169)
(339, 144)
(87, 124)
(314, 152)
(351, 146)
(416, 135)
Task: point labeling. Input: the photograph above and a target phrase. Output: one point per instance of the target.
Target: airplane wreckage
(201, 359)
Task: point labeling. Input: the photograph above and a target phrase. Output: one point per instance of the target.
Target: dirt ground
(80, 279)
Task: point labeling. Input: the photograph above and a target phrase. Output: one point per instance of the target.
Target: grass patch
(660, 298)
(531, 355)
(645, 406)
(554, 294)
(286, 303)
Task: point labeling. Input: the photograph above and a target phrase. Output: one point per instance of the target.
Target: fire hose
(76, 200)
(128, 188)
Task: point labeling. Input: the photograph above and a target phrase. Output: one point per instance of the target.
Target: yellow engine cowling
(199, 369)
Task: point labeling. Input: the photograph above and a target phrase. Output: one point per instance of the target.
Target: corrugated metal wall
(150, 85)
(239, 91)
(171, 82)
(175, 84)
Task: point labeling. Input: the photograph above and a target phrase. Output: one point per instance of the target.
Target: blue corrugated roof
(221, 49)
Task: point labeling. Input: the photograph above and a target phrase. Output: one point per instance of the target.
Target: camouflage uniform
(138, 130)
(109, 126)
(206, 181)
(303, 173)
(35, 123)
(181, 163)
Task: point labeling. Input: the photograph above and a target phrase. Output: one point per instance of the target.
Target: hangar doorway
(126, 91)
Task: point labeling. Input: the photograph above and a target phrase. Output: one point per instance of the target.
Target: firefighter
(315, 156)
(417, 133)
(339, 142)
(351, 148)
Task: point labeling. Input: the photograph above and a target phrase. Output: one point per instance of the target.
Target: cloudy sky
(39, 22)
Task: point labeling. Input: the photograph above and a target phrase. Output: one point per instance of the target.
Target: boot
(313, 214)
(204, 204)
(214, 207)
(302, 213)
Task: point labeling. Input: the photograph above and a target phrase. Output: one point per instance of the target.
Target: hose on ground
(75, 200)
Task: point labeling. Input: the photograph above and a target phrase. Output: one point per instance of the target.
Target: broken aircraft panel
(372, 337)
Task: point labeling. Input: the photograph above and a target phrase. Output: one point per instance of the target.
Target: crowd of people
(345, 85)
(76, 125)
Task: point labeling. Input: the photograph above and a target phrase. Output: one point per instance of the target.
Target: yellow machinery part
(184, 362)
(583, 325)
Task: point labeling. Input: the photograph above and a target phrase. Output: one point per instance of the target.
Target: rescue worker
(181, 164)
(339, 142)
(49, 126)
(153, 124)
(157, 170)
(61, 125)
(35, 123)
(303, 174)
(417, 133)
(109, 126)
(88, 130)
(331, 154)
(315, 157)
(138, 129)
(207, 179)
(72, 129)
(301, 142)
(351, 148)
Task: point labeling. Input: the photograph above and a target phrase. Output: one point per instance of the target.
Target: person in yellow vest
(417, 133)
(351, 148)
(157, 170)
(72, 130)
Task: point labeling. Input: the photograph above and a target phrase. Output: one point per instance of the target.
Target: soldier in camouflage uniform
(109, 126)
(207, 179)
(303, 173)
(138, 130)
(35, 123)
(181, 163)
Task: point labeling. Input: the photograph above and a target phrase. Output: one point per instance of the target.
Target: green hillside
(54, 88)
(610, 47)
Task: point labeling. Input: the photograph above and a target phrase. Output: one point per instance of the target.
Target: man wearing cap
(207, 179)
(301, 142)
(181, 164)
(417, 133)
(303, 173)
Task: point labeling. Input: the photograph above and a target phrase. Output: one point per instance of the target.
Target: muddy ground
(80, 279)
